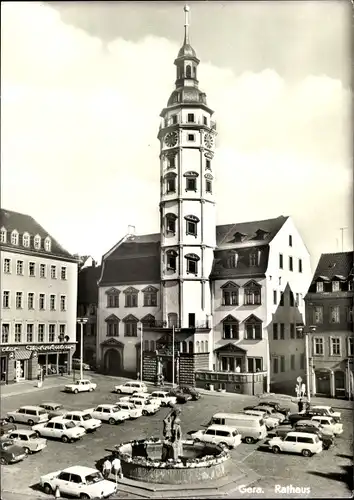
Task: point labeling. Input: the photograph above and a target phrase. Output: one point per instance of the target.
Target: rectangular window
(150, 299)
(131, 300)
(335, 314)
(282, 331)
(171, 162)
(302, 361)
(62, 330)
(252, 296)
(291, 299)
(297, 299)
(319, 286)
(191, 137)
(63, 273)
(63, 302)
(53, 272)
(208, 165)
(318, 315)
(130, 329)
(30, 332)
(335, 346)
(190, 118)
(275, 297)
(41, 331)
(350, 346)
(205, 120)
(191, 228)
(230, 331)
(290, 263)
(335, 286)
(113, 300)
(275, 365)
(254, 365)
(112, 329)
(7, 266)
(275, 331)
(30, 301)
(192, 266)
(191, 184)
(281, 302)
(18, 332)
(5, 300)
(292, 362)
(208, 186)
(52, 302)
(318, 347)
(19, 267)
(41, 301)
(230, 297)
(174, 119)
(51, 337)
(171, 224)
(282, 363)
(349, 314)
(281, 262)
(292, 330)
(42, 270)
(290, 240)
(299, 331)
(300, 266)
(171, 262)
(5, 331)
(18, 300)
(253, 331)
(32, 269)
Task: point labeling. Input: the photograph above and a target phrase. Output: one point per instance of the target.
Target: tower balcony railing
(170, 123)
(199, 325)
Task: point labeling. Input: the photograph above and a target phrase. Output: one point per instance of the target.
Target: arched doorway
(323, 382)
(112, 362)
(339, 384)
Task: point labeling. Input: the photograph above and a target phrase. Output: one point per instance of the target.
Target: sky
(83, 85)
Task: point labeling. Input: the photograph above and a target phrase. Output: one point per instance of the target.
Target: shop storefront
(26, 362)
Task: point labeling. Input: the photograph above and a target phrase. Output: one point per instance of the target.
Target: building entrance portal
(166, 368)
(112, 362)
(339, 384)
(323, 384)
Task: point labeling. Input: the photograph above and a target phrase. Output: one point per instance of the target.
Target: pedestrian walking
(300, 405)
(107, 468)
(117, 468)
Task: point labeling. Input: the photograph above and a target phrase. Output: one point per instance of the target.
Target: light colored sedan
(83, 419)
(218, 434)
(131, 387)
(164, 398)
(65, 430)
(134, 412)
(146, 406)
(271, 412)
(28, 439)
(270, 422)
(83, 385)
(109, 413)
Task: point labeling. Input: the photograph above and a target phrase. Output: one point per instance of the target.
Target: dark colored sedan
(10, 453)
(277, 407)
(6, 426)
(295, 417)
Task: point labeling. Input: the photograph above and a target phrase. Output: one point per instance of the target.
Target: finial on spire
(186, 24)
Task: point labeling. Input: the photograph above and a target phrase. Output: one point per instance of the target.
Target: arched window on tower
(171, 260)
(188, 71)
(190, 347)
(170, 180)
(171, 223)
(194, 72)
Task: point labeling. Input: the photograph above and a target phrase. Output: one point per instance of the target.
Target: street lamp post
(141, 351)
(174, 330)
(305, 331)
(81, 322)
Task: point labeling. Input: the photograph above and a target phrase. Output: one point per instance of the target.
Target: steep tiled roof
(334, 264)
(25, 223)
(87, 292)
(137, 260)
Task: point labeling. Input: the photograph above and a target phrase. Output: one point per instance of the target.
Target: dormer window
(37, 242)
(319, 286)
(233, 260)
(47, 244)
(3, 235)
(253, 259)
(191, 181)
(238, 237)
(170, 180)
(191, 225)
(14, 237)
(26, 240)
(192, 263)
(171, 258)
(252, 293)
(335, 286)
(171, 223)
(261, 235)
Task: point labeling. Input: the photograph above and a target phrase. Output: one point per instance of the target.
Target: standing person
(307, 405)
(117, 468)
(300, 405)
(107, 468)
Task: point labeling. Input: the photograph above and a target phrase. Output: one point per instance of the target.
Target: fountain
(156, 467)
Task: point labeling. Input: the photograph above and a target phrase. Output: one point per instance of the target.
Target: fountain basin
(141, 461)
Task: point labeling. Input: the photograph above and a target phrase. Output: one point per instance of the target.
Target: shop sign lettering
(9, 349)
(53, 347)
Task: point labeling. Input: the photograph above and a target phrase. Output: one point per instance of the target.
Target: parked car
(164, 398)
(109, 413)
(144, 396)
(218, 434)
(181, 396)
(82, 419)
(283, 431)
(297, 442)
(314, 427)
(82, 385)
(10, 452)
(131, 387)
(329, 424)
(270, 422)
(271, 412)
(277, 407)
(6, 426)
(131, 408)
(28, 439)
(65, 430)
(53, 409)
(146, 405)
(28, 415)
(192, 391)
(76, 365)
(78, 481)
(328, 410)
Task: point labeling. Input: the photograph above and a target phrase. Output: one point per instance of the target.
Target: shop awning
(22, 354)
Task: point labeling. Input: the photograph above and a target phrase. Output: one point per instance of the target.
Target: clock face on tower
(208, 140)
(171, 139)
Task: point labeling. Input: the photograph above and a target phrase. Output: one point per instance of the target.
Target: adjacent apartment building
(38, 300)
(329, 307)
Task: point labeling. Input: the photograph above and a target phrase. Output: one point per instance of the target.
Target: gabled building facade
(329, 307)
(38, 300)
(215, 291)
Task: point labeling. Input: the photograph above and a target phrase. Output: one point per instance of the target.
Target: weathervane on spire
(186, 24)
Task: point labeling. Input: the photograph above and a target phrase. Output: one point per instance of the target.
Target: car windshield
(93, 478)
(331, 421)
(87, 416)
(33, 436)
(58, 407)
(70, 425)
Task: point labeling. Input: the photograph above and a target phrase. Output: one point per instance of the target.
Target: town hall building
(209, 305)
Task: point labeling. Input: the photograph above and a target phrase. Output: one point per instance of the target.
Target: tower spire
(186, 25)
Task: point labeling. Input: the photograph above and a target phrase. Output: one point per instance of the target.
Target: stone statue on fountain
(172, 432)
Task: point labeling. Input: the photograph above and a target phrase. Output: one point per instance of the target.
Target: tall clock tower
(187, 203)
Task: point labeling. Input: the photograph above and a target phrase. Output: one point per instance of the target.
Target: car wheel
(90, 390)
(48, 489)
(38, 434)
(249, 440)
(65, 439)
(275, 449)
(306, 453)
(196, 440)
(3, 461)
(76, 391)
(27, 450)
(111, 421)
(11, 420)
(83, 496)
(119, 391)
(30, 422)
(225, 445)
(145, 412)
